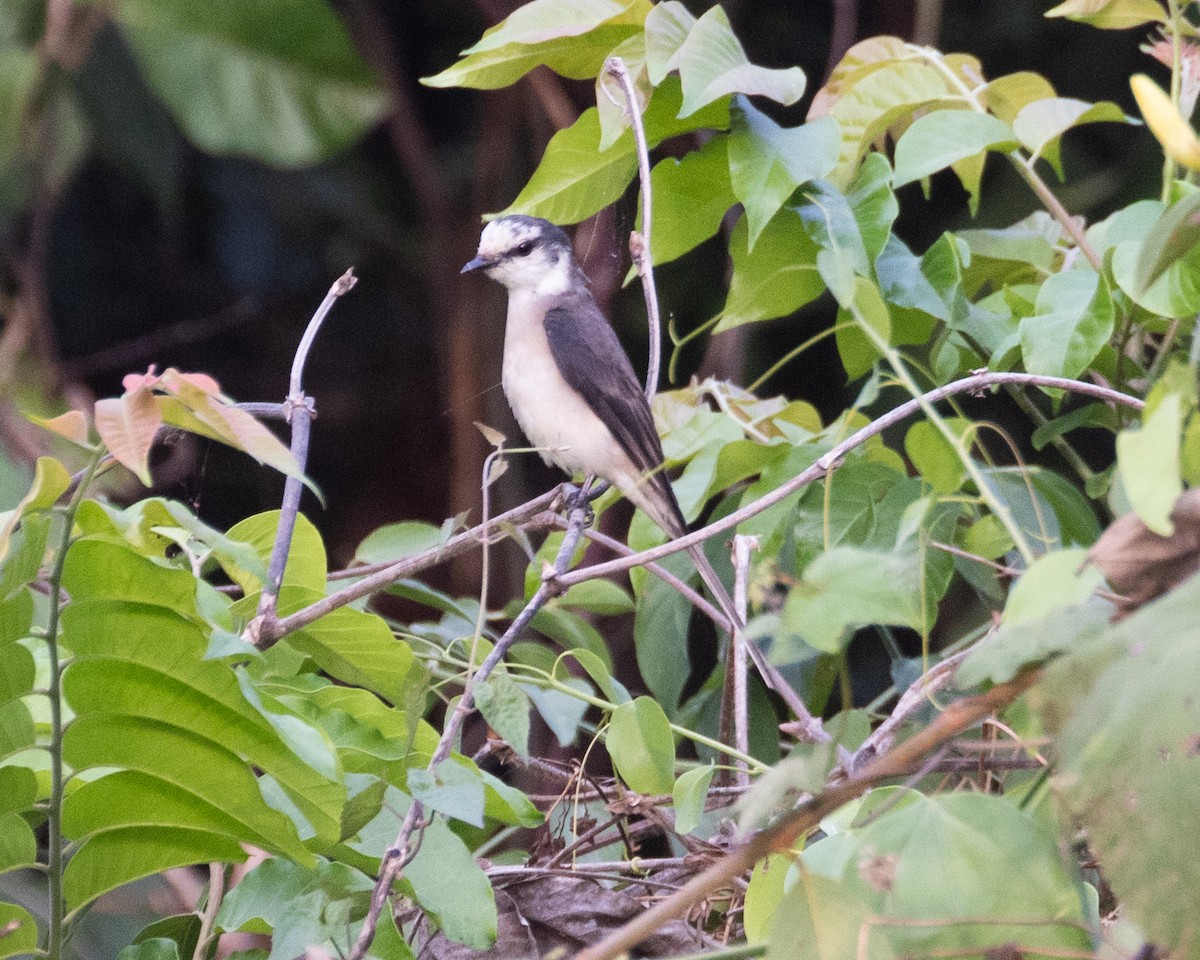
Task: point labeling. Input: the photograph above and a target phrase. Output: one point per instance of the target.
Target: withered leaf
(1140, 564)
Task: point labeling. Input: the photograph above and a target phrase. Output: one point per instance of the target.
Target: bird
(572, 388)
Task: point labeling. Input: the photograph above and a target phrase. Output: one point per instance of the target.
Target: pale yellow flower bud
(1178, 139)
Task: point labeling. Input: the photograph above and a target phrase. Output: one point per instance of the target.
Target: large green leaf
(712, 65)
(576, 178)
(1125, 714)
(277, 80)
(306, 562)
(1073, 321)
(1148, 459)
(944, 137)
(1040, 124)
(878, 100)
(1111, 14)
(691, 197)
(953, 874)
(1172, 239)
(830, 599)
(140, 665)
(107, 860)
(450, 886)
(642, 746)
(778, 278)
(353, 646)
(768, 162)
(571, 37)
(18, 73)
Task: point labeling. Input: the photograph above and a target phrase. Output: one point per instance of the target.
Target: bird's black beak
(475, 264)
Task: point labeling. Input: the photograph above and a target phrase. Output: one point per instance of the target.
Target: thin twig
(976, 383)
(400, 852)
(782, 834)
(743, 546)
(532, 516)
(639, 241)
(301, 411)
(212, 903)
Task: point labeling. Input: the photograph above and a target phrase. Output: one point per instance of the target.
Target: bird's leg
(581, 498)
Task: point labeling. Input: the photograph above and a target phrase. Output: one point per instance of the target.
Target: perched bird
(571, 385)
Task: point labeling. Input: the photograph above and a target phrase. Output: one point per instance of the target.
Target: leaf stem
(54, 840)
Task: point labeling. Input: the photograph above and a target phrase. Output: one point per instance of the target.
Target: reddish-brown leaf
(127, 426)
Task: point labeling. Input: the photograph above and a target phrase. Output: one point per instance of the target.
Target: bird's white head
(527, 254)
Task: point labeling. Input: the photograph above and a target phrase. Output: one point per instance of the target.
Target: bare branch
(300, 411)
(639, 243)
(976, 383)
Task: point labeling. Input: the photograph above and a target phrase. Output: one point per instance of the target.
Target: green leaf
(353, 646)
(1049, 510)
(712, 64)
(276, 80)
(107, 860)
(97, 570)
(1006, 96)
(1073, 320)
(1111, 14)
(602, 597)
(561, 711)
(452, 889)
(691, 197)
(944, 137)
(1061, 578)
(830, 223)
(50, 481)
(642, 746)
(576, 178)
(1148, 462)
(999, 657)
(451, 789)
(688, 797)
(961, 873)
(16, 728)
(506, 709)
(21, 931)
(306, 562)
(934, 456)
(571, 38)
(865, 310)
(397, 541)
(660, 635)
(18, 846)
(1176, 291)
(830, 598)
(779, 278)
(155, 948)
(1172, 239)
(1039, 125)
(667, 27)
(140, 667)
(768, 162)
(1123, 713)
(877, 101)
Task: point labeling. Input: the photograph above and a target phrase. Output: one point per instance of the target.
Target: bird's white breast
(553, 416)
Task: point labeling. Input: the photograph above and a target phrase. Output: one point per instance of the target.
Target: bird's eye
(524, 249)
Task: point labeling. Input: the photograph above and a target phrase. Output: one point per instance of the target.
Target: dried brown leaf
(1140, 564)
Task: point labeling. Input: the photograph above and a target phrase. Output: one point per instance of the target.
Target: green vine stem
(54, 857)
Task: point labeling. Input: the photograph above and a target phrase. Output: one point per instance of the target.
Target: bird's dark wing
(591, 360)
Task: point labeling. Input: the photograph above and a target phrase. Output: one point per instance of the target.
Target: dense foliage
(156, 713)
